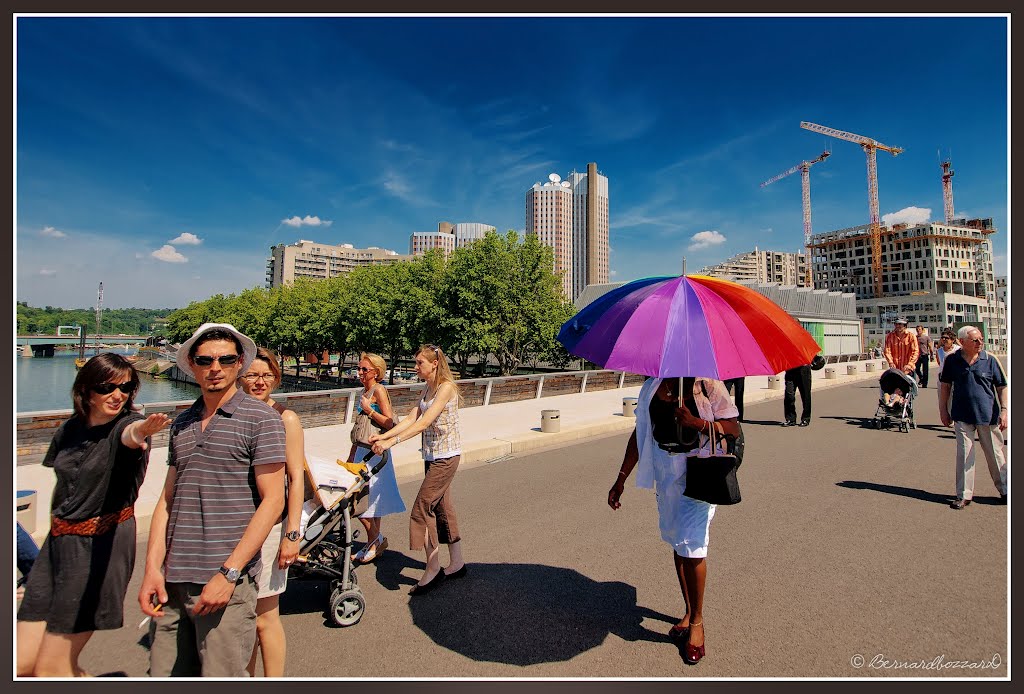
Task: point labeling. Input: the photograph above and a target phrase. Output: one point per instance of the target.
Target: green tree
(502, 298)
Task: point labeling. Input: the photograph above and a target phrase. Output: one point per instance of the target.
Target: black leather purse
(713, 479)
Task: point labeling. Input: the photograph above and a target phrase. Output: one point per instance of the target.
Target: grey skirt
(78, 584)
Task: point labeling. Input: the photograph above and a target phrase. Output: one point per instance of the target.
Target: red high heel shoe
(692, 654)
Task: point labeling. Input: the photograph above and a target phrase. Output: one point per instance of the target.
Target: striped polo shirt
(215, 493)
(901, 352)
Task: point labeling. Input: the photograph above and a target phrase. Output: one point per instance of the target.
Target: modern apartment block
(448, 237)
(571, 217)
(762, 267)
(321, 261)
(935, 274)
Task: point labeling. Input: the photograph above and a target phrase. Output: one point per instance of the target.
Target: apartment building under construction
(935, 274)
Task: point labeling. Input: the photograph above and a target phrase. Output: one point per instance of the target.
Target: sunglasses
(223, 360)
(107, 388)
(363, 369)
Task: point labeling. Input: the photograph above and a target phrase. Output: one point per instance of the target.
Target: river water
(44, 383)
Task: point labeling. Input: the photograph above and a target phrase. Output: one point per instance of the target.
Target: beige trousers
(991, 441)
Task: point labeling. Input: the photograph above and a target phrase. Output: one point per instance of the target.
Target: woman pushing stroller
(432, 520)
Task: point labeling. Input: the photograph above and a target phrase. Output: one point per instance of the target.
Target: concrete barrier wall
(328, 407)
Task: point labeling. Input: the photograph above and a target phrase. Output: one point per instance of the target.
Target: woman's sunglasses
(107, 388)
(223, 360)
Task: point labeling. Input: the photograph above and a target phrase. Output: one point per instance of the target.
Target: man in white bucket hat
(223, 493)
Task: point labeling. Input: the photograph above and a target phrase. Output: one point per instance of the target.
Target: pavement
(489, 434)
(843, 560)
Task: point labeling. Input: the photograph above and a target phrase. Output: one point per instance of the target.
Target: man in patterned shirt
(223, 494)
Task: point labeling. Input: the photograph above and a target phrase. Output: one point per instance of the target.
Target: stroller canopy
(894, 378)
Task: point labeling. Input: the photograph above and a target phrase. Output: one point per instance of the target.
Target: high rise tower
(549, 215)
(581, 248)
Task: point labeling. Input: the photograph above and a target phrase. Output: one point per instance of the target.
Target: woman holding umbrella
(667, 327)
(685, 523)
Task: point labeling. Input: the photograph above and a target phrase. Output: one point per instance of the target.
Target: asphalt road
(843, 553)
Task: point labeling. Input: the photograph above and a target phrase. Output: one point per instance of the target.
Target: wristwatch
(292, 535)
(230, 574)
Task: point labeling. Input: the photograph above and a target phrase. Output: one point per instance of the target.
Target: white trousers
(991, 441)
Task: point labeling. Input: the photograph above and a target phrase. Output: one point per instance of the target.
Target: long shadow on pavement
(898, 491)
(525, 614)
(862, 422)
(312, 593)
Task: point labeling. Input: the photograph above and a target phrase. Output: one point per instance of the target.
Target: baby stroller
(896, 401)
(326, 548)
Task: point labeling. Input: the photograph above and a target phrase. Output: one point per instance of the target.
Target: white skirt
(272, 580)
(383, 497)
(685, 523)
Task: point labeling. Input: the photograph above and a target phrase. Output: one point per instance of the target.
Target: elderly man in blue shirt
(972, 397)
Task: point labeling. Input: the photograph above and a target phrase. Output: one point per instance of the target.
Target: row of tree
(129, 321)
(495, 299)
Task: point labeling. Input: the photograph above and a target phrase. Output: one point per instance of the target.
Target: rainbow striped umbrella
(688, 326)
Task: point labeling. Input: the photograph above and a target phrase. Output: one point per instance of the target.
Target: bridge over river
(44, 345)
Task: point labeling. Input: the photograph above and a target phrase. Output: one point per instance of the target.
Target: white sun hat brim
(248, 347)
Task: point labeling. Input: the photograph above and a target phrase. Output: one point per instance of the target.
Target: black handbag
(713, 479)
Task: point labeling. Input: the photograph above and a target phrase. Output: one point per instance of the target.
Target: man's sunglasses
(223, 360)
(107, 388)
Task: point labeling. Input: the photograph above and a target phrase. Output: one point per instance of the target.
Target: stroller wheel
(347, 607)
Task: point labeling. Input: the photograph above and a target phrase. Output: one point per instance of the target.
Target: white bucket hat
(248, 347)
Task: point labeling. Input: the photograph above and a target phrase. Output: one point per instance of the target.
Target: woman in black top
(79, 580)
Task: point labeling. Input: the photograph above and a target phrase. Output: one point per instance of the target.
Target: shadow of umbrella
(525, 614)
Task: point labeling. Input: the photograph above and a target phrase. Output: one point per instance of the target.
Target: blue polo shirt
(974, 399)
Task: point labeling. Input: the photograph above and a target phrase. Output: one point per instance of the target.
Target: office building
(448, 237)
(936, 274)
(321, 261)
(762, 267)
(571, 217)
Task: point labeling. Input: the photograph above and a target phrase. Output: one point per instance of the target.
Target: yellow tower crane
(869, 146)
(804, 168)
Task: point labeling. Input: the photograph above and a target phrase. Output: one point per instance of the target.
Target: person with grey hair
(972, 397)
(223, 493)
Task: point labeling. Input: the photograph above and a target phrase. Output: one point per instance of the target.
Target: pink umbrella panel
(688, 326)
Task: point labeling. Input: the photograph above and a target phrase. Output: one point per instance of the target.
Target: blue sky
(163, 156)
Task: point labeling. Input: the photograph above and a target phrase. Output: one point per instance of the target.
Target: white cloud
(705, 239)
(612, 273)
(187, 239)
(168, 255)
(46, 272)
(908, 215)
(311, 221)
(54, 233)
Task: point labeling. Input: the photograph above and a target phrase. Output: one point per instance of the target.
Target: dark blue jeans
(27, 553)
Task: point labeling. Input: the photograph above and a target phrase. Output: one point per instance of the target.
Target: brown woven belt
(97, 525)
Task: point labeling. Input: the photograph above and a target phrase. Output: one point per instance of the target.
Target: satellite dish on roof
(554, 178)
(566, 184)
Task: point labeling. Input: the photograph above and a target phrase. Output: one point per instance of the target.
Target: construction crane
(804, 168)
(947, 190)
(99, 313)
(869, 146)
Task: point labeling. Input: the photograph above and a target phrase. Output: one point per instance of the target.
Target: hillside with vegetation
(114, 321)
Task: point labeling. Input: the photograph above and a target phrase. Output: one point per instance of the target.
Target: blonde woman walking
(384, 497)
(433, 520)
(282, 545)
